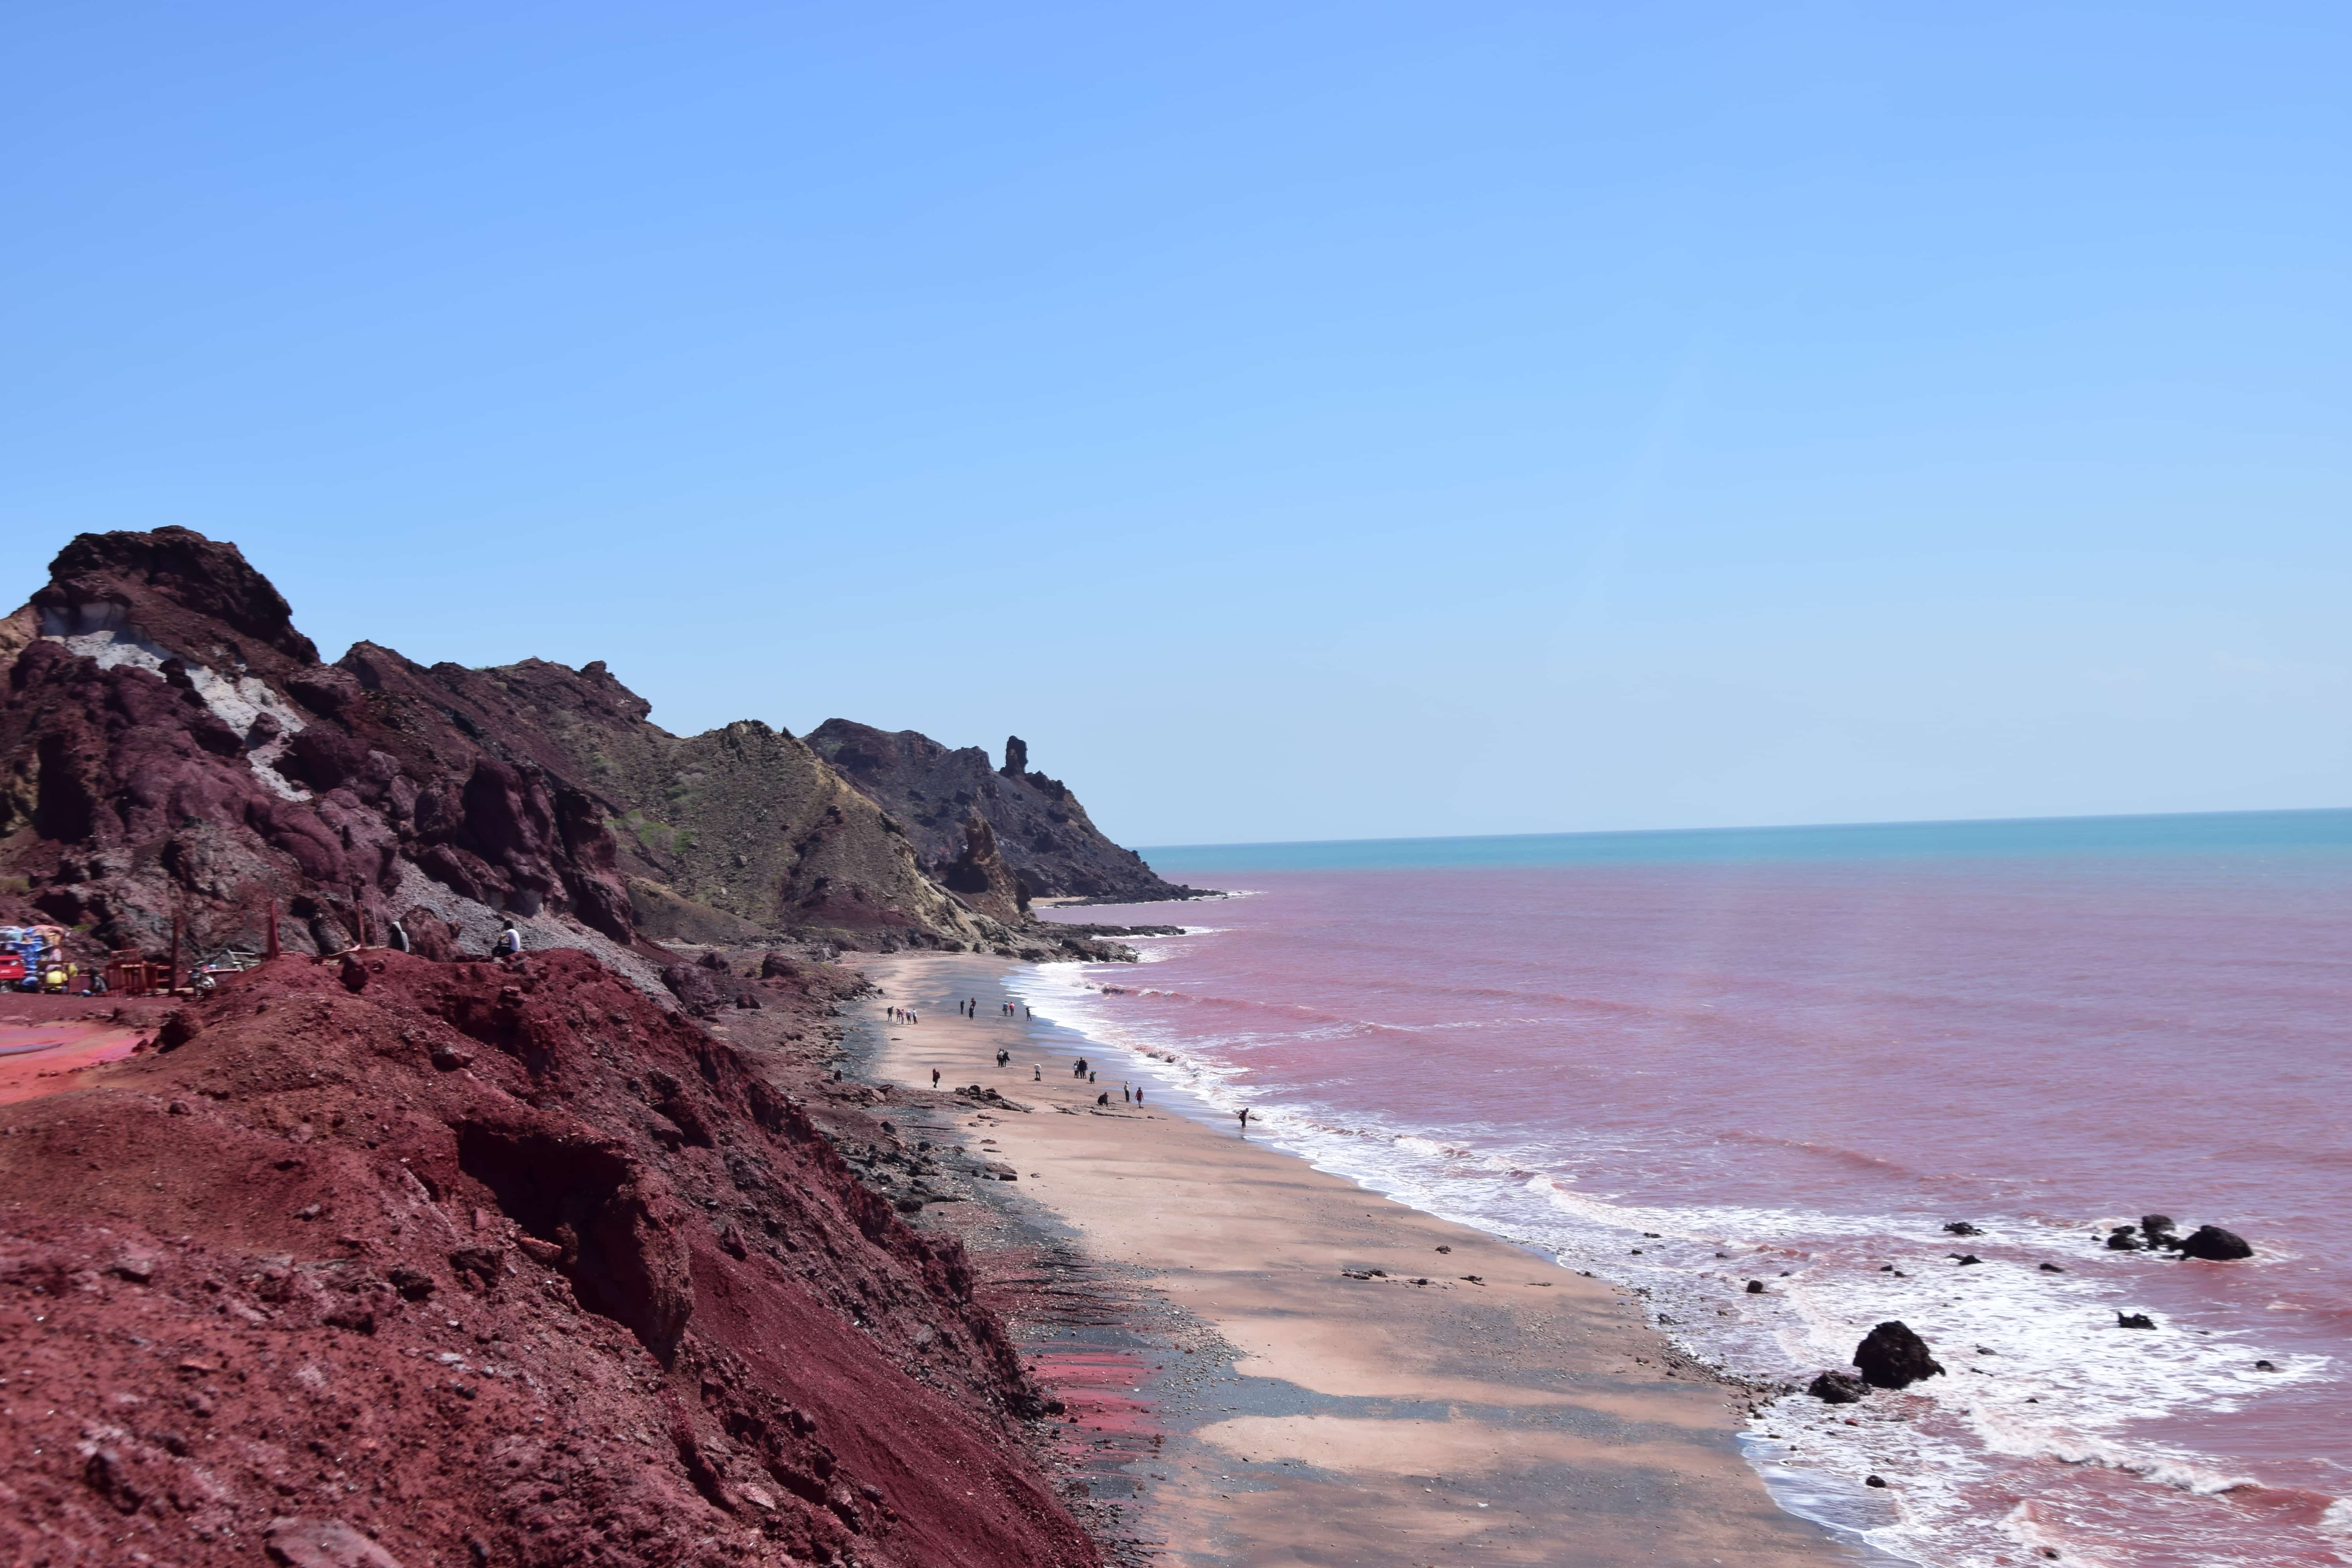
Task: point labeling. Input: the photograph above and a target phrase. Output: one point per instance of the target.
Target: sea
(1682, 1061)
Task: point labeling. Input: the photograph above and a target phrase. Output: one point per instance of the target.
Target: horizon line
(1751, 827)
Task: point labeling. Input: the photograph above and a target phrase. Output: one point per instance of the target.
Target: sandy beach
(1317, 1375)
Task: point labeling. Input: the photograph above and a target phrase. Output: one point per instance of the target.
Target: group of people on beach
(969, 1008)
(1128, 1094)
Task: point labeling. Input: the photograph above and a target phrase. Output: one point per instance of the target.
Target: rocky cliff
(1044, 835)
(172, 750)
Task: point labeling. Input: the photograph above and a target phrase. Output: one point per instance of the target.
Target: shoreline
(1321, 1375)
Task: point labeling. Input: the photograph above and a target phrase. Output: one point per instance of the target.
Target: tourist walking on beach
(935, 1078)
(1078, 1068)
(1036, 1073)
(1244, 1121)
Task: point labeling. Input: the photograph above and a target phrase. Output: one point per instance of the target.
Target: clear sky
(1296, 421)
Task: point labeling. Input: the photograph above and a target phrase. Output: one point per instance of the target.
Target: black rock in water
(1892, 1356)
(1961, 1227)
(1755, 1287)
(2133, 1321)
(2215, 1244)
(1874, 1480)
(1965, 1259)
(1839, 1388)
(2156, 1227)
(2121, 1239)
(2052, 1269)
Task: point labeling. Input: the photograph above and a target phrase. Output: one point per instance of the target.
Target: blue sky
(1296, 422)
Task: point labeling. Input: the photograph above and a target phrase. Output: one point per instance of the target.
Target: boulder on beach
(1892, 1356)
(2215, 1244)
(1839, 1388)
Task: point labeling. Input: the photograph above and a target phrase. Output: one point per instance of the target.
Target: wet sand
(1472, 1402)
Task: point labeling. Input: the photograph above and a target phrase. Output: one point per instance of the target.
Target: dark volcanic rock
(1961, 1227)
(2215, 1244)
(2133, 1321)
(1043, 834)
(1838, 1388)
(1892, 1356)
(2123, 1239)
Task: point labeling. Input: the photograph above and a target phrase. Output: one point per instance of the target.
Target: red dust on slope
(463, 1264)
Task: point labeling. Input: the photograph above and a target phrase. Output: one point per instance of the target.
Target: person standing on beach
(935, 1078)
(1244, 1121)
(1139, 1095)
(1036, 1073)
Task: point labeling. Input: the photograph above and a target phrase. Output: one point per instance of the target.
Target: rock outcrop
(1892, 1356)
(2156, 1232)
(1838, 1388)
(981, 879)
(2215, 1244)
(1042, 831)
(173, 745)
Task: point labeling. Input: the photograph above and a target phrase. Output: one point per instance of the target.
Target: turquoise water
(2235, 832)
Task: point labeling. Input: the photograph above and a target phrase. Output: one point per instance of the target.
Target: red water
(1799, 1072)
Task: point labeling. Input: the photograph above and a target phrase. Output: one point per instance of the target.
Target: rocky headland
(1042, 834)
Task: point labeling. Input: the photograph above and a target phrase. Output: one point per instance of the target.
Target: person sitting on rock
(509, 943)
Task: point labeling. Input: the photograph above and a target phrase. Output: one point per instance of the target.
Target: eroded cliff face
(1044, 836)
(456, 1263)
(171, 748)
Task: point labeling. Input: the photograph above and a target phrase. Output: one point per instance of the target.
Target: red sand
(461, 1264)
